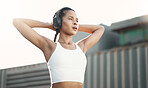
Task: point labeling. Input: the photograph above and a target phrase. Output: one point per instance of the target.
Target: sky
(15, 50)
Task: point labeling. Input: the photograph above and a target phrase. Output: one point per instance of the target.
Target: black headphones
(57, 21)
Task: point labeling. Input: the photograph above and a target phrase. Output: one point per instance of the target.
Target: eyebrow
(72, 17)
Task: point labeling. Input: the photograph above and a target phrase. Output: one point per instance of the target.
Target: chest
(70, 47)
(72, 59)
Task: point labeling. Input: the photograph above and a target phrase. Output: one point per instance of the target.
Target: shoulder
(48, 46)
(81, 45)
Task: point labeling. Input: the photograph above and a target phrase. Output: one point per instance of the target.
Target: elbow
(15, 21)
(102, 28)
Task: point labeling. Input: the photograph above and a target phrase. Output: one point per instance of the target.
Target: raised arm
(24, 26)
(96, 32)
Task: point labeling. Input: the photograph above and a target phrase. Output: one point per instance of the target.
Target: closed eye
(70, 18)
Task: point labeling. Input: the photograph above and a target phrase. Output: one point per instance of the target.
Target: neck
(65, 39)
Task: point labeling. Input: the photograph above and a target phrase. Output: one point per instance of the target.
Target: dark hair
(57, 20)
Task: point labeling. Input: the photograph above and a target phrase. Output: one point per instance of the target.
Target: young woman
(66, 59)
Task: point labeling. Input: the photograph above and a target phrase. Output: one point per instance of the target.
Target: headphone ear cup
(57, 23)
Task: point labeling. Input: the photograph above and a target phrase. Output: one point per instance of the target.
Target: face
(69, 23)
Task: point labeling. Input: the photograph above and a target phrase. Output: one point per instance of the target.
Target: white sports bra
(67, 65)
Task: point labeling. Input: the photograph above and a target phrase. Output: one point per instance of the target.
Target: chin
(74, 33)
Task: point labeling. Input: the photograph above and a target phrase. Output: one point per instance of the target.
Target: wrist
(50, 26)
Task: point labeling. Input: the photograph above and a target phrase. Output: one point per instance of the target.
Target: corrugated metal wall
(32, 76)
(2, 79)
(123, 67)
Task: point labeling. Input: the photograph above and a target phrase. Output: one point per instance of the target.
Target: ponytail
(55, 37)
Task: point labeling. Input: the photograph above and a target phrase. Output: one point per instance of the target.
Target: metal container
(121, 67)
(31, 76)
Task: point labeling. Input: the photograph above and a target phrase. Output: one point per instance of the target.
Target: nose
(75, 23)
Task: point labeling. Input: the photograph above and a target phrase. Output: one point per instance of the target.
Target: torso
(48, 54)
(49, 51)
(67, 85)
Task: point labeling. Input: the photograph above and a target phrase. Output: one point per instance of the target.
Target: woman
(66, 59)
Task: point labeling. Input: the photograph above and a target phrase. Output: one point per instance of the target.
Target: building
(30, 76)
(124, 65)
(132, 31)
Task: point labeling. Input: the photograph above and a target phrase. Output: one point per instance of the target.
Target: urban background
(118, 60)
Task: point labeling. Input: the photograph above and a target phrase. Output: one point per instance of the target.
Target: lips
(74, 28)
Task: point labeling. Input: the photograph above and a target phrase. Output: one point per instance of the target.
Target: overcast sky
(15, 50)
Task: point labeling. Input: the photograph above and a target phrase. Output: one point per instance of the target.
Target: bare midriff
(67, 85)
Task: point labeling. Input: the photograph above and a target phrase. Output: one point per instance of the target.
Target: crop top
(67, 65)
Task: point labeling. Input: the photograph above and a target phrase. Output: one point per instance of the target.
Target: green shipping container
(131, 36)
